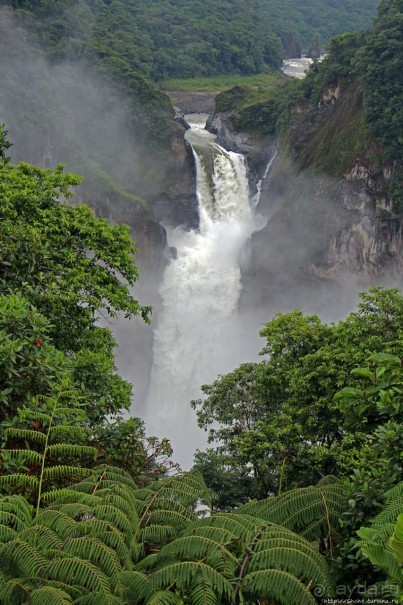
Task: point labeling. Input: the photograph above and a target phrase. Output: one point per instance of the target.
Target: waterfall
(196, 336)
(256, 197)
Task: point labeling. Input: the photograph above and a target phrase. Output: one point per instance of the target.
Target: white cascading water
(197, 337)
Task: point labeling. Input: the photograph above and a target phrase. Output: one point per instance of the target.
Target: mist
(64, 113)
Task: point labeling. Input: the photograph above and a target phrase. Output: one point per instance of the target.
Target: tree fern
(104, 541)
(47, 595)
(15, 511)
(278, 586)
(241, 549)
(382, 542)
(312, 511)
(183, 574)
(55, 424)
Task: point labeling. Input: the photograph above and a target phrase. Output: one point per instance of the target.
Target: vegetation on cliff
(346, 110)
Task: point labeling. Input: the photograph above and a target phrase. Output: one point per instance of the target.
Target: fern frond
(107, 475)
(148, 562)
(301, 545)
(162, 503)
(41, 538)
(69, 495)
(278, 586)
(112, 537)
(168, 517)
(157, 534)
(378, 534)
(385, 560)
(11, 519)
(77, 571)
(273, 531)
(78, 413)
(183, 574)
(114, 515)
(138, 584)
(18, 505)
(47, 595)
(249, 522)
(292, 559)
(76, 511)
(121, 502)
(30, 456)
(26, 434)
(394, 493)
(73, 432)
(390, 513)
(316, 507)
(138, 553)
(95, 598)
(13, 591)
(225, 521)
(32, 414)
(321, 527)
(19, 480)
(122, 490)
(73, 591)
(25, 557)
(218, 534)
(70, 450)
(202, 594)
(7, 533)
(144, 495)
(62, 471)
(192, 547)
(187, 488)
(328, 480)
(63, 525)
(96, 551)
(164, 598)
(221, 562)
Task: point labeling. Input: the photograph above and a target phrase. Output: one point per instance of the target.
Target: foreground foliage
(105, 540)
(61, 268)
(275, 424)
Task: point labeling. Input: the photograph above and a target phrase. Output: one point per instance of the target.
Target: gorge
(201, 337)
(329, 226)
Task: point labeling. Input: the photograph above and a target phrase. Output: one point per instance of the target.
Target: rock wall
(326, 238)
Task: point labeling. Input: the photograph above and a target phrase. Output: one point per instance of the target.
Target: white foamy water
(197, 337)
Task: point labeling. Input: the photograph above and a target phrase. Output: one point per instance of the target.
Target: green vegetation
(174, 39)
(371, 63)
(60, 267)
(301, 492)
(346, 110)
(286, 423)
(273, 421)
(218, 84)
(105, 540)
(93, 512)
(311, 24)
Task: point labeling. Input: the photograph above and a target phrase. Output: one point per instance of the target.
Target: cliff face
(324, 234)
(176, 202)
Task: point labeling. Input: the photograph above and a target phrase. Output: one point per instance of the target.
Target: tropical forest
(201, 304)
